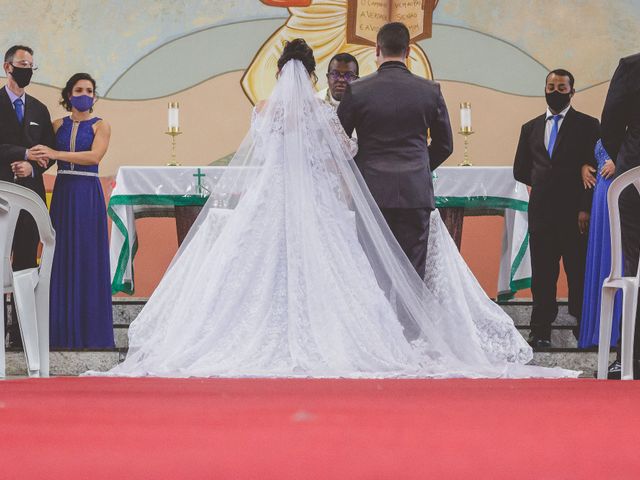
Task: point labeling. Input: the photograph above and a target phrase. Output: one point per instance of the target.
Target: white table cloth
(154, 191)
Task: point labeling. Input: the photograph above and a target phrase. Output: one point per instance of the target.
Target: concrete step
(67, 363)
(520, 312)
(125, 310)
(583, 360)
(71, 363)
(564, 352)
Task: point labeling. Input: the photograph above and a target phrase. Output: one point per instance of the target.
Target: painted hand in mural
(287, 3)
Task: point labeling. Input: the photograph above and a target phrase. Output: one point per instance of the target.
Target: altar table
(141, 192)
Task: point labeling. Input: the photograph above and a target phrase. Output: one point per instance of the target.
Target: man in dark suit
(24, 123)
(392, 110)
(552, 149)
(621, 138)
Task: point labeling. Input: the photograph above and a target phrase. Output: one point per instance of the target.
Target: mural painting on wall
(339, 26)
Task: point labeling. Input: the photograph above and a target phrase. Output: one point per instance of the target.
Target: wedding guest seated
(80, 314)
(598, 264)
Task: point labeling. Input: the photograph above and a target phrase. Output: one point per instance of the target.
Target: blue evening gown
(81, 315)
(598, 262)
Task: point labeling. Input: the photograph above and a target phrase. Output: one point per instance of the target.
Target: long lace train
(291, 270)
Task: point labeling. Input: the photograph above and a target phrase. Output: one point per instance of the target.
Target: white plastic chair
(615, 281)
(30, 287)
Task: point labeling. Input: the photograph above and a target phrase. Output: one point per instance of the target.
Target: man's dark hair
(8, 57)
(393, 39)
(344, 58)
(561, 72)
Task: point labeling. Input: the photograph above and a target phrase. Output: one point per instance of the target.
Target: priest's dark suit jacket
(557, 196)
(621, 138)
(15, 139)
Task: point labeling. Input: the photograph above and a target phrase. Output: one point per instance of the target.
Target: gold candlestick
(466, 131)
(173, 132)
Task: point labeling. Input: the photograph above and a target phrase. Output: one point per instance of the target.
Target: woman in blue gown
(80, 315)
(598, 252)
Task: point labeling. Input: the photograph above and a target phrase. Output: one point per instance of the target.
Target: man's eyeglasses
(24, 64)
(348, 76)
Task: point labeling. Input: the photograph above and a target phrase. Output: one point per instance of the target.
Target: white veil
(464, 336)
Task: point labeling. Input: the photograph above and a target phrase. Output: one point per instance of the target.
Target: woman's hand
(42, 154)
(608, 169)
(588, 176)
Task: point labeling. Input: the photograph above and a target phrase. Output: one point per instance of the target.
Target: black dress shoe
(614, 372)
(14, 341)
(539, 344)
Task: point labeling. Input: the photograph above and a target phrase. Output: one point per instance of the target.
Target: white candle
(465, 116)
(173, 116)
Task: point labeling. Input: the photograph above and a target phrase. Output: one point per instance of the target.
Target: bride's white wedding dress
(290, 270)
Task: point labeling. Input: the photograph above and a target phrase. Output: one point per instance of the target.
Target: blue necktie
(19, 104)
(554, 133)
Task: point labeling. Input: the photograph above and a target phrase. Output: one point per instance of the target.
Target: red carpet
(95, 428)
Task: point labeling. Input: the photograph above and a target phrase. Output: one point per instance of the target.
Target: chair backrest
(13, 199)
(630, 177)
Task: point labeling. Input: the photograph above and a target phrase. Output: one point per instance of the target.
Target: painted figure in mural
(392, 110)
(328, 27)
(551, 152)
(80, 314)
(620, 126)
(24, 122)
(343, 69)
(300, 276)
(598, 251)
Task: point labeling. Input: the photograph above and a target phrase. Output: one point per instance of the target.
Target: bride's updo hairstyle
(298, 49)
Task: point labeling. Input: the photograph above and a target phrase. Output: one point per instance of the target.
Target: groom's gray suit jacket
(392, 110)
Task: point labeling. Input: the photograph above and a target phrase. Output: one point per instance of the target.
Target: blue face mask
(82, 103)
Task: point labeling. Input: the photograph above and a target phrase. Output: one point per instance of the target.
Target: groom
(393, 110)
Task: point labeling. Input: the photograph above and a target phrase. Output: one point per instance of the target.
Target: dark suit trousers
(548, 246)
(25, 243)
(410, 226)
(630, 224)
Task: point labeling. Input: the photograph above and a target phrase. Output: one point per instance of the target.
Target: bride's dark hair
(298, 49)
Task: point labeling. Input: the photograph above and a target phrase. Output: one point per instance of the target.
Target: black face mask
(22, 76)
(558, 101)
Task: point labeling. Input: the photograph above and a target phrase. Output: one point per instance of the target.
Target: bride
(291, 270)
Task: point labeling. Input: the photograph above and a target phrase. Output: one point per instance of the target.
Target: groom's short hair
(393, 39)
